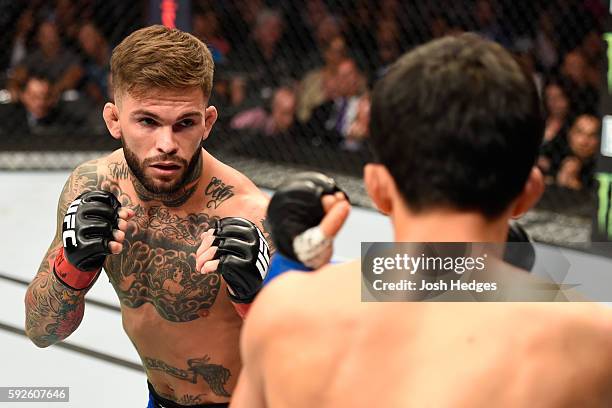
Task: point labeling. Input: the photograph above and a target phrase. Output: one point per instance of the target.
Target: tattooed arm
(54, 311)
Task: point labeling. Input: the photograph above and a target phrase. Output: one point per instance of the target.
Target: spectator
(390, 10)
(240, 20)
(51, 60)
(21, 40)
(523, 52)
(96, 64)
(312, 89)
(576, 170)
(360, 128)
(328, 29)
(230, 96)
(332, 120)
(441, 25)
(67, 15)
(387, 45)
(206, 28)
(557, 109)
(33, 112)
(487, 23)
(264, 58)
(592, 50)
(546, 43)
(575, 72)
(360, 22)
(280, 119)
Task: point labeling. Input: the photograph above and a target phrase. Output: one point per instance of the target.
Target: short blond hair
(160, 58)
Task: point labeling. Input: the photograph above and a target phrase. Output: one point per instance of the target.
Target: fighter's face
(161, 134)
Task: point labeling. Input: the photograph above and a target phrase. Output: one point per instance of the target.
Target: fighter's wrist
(71, 276)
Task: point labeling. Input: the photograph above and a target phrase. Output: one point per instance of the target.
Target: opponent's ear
(533, 190)
(111, 118)
(209, 120)
(379, 184)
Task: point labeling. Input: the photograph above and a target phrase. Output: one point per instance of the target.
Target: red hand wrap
(70, 275)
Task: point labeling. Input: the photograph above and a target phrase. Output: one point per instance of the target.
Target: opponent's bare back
(329, 349)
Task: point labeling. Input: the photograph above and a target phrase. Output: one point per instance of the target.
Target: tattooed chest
(157, 265)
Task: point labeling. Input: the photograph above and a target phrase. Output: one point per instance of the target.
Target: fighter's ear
(111, 118)
(532, 191)
(379, 184)
(209, 120)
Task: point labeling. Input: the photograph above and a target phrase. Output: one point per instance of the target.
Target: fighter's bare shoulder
(244, 193)
(567, 343)
(304, 299)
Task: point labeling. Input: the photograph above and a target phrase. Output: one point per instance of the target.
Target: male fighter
(456, 128)
(145, 213)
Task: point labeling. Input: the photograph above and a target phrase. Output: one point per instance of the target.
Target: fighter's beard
(177, 196)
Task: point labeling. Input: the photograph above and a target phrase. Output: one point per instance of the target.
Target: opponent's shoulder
(589, 318)
(569, 340)
(587, 325)
(301, 297)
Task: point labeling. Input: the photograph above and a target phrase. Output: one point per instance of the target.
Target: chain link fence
(292, 82)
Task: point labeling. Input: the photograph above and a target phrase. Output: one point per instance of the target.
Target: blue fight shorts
(156, 401)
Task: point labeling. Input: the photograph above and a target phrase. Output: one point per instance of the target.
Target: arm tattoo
(215, 375)
(218, 192)
(84, 178)
(54, 311)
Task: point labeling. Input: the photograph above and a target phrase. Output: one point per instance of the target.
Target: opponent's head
(161, 80)
(456, 125)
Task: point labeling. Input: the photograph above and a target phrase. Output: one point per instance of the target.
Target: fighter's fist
(306, 211)
(239, 252)
(90, 232)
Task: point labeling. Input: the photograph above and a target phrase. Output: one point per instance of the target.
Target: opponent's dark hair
(458, 124)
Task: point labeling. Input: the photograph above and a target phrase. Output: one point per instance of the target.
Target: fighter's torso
(180, 321)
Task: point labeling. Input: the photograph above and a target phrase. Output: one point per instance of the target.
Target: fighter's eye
(186, 123)
(147, 122)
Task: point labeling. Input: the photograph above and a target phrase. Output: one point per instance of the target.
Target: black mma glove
(86, 231)
(295, 211)
(243, 256)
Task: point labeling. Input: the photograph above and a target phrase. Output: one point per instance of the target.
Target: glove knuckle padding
(237, 247)
(243, 256)
(243, 233)
(92, 227)
(296, 206)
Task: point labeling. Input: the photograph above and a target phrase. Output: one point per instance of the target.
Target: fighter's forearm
(53, 311)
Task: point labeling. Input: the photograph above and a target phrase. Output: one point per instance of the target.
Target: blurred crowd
(300, 72)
